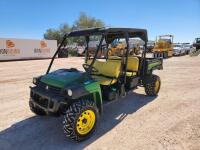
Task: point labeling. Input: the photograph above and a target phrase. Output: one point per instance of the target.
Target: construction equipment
(196, 47)
(197, 43)
(150, 46)
(116, 48)
(163, 46)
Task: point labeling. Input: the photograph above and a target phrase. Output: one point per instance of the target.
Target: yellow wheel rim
(85, 122)
(157, 85)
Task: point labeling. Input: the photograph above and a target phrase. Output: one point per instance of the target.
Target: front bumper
(49, 102)
(176, 53)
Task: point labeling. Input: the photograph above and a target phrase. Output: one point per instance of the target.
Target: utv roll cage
(109, 34)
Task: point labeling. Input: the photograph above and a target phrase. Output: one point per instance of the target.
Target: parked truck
(17, 49)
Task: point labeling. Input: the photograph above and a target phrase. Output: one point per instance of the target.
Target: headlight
(35, 81)
(69, 92)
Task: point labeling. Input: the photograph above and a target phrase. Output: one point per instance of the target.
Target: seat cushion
(97, 64)
(133, 64)
(104, 81)
(111, 69)
(107, 68)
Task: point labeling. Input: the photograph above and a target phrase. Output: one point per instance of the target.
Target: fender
(90, 87)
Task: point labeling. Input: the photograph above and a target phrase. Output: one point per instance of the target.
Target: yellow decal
(43, 44)
(10, 44)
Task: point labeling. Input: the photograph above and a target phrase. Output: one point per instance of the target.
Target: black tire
(36, 110)
(161, 54)
(72, 115)
(151, 89)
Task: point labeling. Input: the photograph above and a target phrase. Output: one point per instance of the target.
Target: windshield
(177, 45)
(187, 46)
(198, 40)
(166, 40)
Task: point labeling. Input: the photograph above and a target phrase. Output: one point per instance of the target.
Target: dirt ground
(169, 121)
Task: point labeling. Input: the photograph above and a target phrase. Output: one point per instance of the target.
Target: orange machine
(163, 46)
(117, 49)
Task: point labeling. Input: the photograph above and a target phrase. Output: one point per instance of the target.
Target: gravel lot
(169, 121)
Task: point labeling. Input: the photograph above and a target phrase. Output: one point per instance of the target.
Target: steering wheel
(86, 67)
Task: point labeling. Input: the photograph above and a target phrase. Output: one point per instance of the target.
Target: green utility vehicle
(79, 96)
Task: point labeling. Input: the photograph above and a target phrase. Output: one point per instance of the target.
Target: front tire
(80, 120)
(152, 85)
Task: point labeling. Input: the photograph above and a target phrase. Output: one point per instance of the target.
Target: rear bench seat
(132, 65)
(108, 71)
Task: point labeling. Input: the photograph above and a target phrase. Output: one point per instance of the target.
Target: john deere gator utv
(163, 46)
(79, 96)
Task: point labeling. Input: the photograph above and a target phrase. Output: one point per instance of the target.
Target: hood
(177, 48)
(63, 77)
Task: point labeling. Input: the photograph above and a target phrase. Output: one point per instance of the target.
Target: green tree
(52, 34)
(57, 34)
(84, 21)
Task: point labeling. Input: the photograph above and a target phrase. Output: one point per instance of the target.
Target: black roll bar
(126, 55)
(58, 49)
(144, 58)
(96, 53)
(87, 39)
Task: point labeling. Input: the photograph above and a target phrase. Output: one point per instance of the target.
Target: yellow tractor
(116, 49)
(135, 49)
(163, 46)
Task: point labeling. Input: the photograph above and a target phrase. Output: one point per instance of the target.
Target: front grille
(39, 100)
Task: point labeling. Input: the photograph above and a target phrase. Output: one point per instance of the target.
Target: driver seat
(108, 72)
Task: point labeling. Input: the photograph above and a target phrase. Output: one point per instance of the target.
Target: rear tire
(36, 110)
(73, 124)
(152, 85)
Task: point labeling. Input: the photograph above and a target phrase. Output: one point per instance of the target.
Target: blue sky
(31, 18)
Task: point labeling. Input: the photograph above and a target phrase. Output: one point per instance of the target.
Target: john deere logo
(9, 44)
(43, 44)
